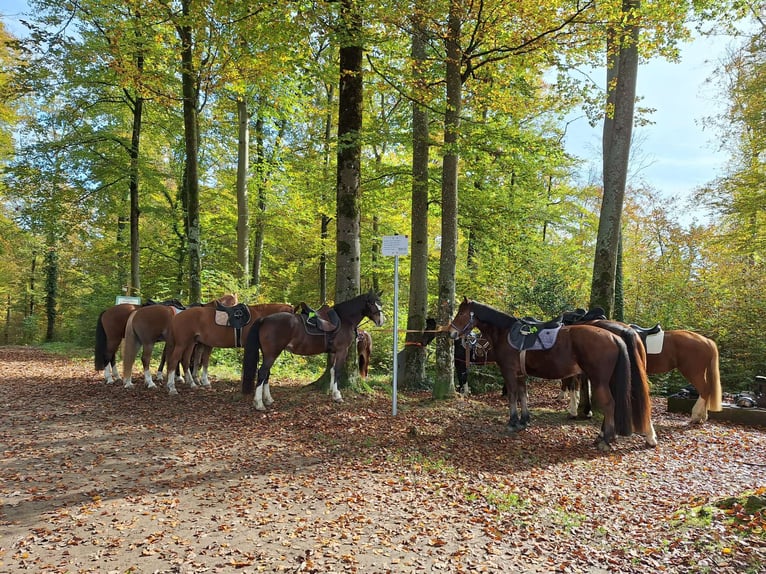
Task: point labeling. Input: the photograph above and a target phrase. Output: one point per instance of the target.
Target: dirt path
(94, 478)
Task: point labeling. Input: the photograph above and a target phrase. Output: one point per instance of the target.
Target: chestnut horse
(149, 325)
(110, 329)
(363, 350)
(197, 327)
(696, 358)
(597, 352)
(273, 334)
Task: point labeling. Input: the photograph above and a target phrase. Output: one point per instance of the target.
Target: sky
(674, 155)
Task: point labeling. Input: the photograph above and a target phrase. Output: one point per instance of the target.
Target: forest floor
(97, 478)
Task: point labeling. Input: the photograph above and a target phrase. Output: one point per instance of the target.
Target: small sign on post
(120, 299)
(394, 246)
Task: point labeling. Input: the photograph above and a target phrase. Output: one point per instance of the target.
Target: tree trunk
(51, 289)
(444, 386)
(243, 208)
(622, 73)
(260, 221)
(414, 355)
(348, 191)
(191, 145)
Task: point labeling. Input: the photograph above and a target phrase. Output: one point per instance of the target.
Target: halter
(466, 328)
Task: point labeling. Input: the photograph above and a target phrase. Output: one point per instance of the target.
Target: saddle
(652, 338)
(529, 334)
(581, 315)
(322, 320)
(235, 317)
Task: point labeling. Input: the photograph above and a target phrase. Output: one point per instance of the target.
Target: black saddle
(581, 315)
(235, 317)
(322, 320)
(529, 334)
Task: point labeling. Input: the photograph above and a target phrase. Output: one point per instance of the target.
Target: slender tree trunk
(325, 219)
(444, 385)
(414, 356)
(135, 212)
(243, 207)
(622, 73)
(51, 289)
(260, 222)
(191, 145)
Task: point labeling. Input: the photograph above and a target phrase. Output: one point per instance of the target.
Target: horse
(696, 358)
(273, 334)
(598, 353)
(472, 349)
(638, 372)
(197, 327)
(363, 350)
(148, 325)
(110, 329)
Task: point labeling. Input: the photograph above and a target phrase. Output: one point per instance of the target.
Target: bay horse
(598, 353)
(696, 358)
(149, 325)
(363, 350)
(273, 334)
(110, 330)
(196, 327)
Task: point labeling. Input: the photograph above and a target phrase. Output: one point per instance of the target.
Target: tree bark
(622, 73)
(444, 385)
(414, 356)
(243, 208)
(191, 146)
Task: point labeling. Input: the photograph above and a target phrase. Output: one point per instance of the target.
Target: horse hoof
(603, 446)
(261, 408)
(152, 386)
(172, 392)
(128, 386)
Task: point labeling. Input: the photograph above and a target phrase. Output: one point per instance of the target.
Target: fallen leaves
(97, 479)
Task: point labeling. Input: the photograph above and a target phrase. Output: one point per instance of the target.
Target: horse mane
(488, 314)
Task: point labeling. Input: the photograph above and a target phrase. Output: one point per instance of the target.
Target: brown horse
(110, 329)
(149, 325)
(363, 349)
(597, 352)
(695, 357)
(197, 327)
(273, 334)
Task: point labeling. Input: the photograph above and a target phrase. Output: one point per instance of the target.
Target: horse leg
(608, 433)
(146, 359)
(129, 352)
(263, 382)
(571, 392)
(108, 370)
(336, 360)
(162, 363)
(514, 421)
(584, 407)
(187, 361)
(202, 358)
(524, 400)
(699, 410)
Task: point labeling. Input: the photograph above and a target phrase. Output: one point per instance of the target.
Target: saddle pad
(541, 340)
(654, 343)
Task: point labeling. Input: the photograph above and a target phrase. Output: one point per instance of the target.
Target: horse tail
(621, 390)
(250, 361)
(641, 405)
(713, 380)
(100, 358)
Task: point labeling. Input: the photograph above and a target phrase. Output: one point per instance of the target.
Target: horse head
(464, 320)
(373, 308)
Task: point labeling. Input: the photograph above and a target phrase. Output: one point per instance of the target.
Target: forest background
(85, 217)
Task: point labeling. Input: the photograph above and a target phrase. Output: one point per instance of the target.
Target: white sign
(395, 245)
(125, 299)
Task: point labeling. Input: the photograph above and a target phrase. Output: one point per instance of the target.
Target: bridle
(467, 328)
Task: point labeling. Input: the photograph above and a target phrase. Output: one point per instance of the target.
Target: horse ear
(379, 294)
